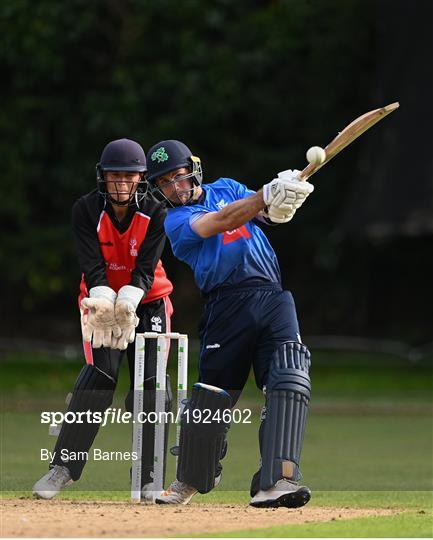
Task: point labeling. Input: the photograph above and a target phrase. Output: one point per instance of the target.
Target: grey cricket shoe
(180, 493)
(51, 483)
(148, 495)
(285, 493)
(176, 493)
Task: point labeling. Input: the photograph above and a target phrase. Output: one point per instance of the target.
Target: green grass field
(368, 442)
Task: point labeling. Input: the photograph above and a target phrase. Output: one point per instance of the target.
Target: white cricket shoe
(180, 493)
(148, 496)
(51, 483)
(284, 493)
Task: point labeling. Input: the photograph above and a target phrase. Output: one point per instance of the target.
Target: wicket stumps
(161, 371)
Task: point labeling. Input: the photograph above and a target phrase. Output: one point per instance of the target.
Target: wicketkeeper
(248, 321)
(119, 236)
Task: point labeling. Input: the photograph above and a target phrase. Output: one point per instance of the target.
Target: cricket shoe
(148, 495)
(284, 493)
(180, 493)
(51, 483)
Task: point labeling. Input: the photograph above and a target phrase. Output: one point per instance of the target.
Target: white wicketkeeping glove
(97, 316)
(127, 301)
(286, 192)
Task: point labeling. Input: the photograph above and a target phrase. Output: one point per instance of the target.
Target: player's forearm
(240, 212)
(89, 255)
(231, 217)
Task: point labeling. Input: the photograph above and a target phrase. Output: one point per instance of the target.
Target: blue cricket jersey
(227, 258)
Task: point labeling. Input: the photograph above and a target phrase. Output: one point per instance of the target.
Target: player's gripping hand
(127, 301)
(97, 316)
(286, 192)
(276, 215)
(302, 189)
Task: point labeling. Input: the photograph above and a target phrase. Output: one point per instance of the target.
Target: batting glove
(276, 215)
(97, 317)
(301, 189)
(286, 192)
(127, 301)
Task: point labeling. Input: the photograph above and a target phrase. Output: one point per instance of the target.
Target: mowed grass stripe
(401, 525)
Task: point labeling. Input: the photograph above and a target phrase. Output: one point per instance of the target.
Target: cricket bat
(348, 135)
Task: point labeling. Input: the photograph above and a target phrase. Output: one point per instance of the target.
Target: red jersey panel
(235, 234)
(120, 251)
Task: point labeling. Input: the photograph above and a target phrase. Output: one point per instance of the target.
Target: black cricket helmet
(167, 156)
(122, 155)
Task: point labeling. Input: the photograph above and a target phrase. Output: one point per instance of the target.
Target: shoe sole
(294, 499)
(42, 497)
(160, 501)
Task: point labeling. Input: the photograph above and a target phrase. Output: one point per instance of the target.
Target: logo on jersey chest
(133, 247)
(156, 323)
(115, 267)
(236, 234)
(222, 204)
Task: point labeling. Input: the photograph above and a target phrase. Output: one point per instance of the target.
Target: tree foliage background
(249, 86)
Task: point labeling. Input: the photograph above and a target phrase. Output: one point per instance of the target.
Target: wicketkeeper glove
(97, 317)
(127, 301)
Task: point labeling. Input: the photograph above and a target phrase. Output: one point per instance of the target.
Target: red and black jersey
(114, 253)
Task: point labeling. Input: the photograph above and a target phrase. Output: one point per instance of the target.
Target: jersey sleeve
(150, 252)
(184, 241)
(86, 241)
(240, 191)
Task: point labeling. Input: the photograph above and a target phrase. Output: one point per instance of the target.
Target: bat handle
(308, 171)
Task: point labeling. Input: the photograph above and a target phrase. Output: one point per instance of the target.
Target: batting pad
(287, 398)
(203, 437)
(93, 392)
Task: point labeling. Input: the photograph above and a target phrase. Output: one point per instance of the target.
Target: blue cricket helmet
(169, 155)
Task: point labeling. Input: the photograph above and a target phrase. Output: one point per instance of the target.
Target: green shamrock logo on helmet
(160, 155)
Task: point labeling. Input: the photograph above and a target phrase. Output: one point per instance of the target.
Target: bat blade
(350, 133)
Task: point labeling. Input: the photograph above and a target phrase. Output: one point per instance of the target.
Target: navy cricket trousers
(240, 328)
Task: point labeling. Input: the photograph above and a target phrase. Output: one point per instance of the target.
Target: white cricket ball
(316, 155)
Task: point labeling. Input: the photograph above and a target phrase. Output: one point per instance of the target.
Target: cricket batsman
(119, 236)
(248, 321)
